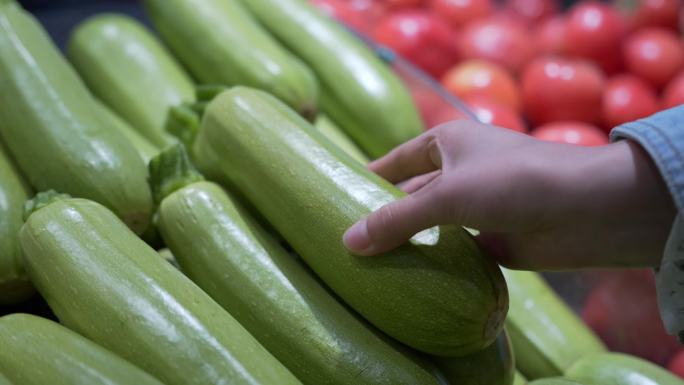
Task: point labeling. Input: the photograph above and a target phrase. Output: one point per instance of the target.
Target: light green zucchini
(438, 293)
(558, 381)
(519, 379)
(221, 43)
(493, 365)
(129, 69)
(14, 284)
(50, 124)
(109, 286)
(331, 131)
(4, 380)
(145, 148)
(37, 351)
(358, 91)
(269, 292)
(620, 369)
(547, 336)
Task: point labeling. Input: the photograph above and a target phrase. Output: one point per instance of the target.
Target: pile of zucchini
(248, 185)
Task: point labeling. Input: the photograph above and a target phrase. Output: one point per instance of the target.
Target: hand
(538, 205)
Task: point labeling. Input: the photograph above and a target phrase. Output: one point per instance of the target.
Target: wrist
(619, 187)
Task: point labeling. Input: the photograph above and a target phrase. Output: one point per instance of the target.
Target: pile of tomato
(563, 74)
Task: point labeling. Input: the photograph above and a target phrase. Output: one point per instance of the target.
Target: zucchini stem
(171, 170)
(41, 200)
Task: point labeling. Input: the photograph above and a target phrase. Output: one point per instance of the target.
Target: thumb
(392, 225)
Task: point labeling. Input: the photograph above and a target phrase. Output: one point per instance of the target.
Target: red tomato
(627, 98)
(655, 13)
(570, 132)
(676, 364)
(482, 78)
(421, 37)
(370, 9)
(491, 112)
(623, 311)
(446, 114)
(673, 95)
(655, 54)
(341, 11)
(533, 11)
(396, 4)
(594, 31)
(550, 35)
(460, 12)
(556, 89)
(498, 40)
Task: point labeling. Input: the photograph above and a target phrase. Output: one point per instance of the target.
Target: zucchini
(221, 43)
(620, 369)
(145, 149)
(50, 124)
(109, 286)
(547, 336)
(558, 381)
(269, 292)
(358, 91)
(492, 365)
(331, 131)
(37, 351)
(168, 256)
(519, 379)
(4, 380)
(128, 68)
(438, 293)
(14, 284)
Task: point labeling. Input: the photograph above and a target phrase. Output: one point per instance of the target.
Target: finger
(393, 225)
(417, 156)
(416, 183)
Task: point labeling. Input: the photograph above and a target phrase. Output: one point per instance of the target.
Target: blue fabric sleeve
(662, 136)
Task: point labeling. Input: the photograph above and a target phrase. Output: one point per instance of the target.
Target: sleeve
(662, 136)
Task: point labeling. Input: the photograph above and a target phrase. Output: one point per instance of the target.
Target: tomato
(491, 112)
(655, 54)
(371, 10)
(623, 311)
(676, 364)
(627, 98)
(341, 11)
(420, 37)
(397, 4)
(533, 11)
(595, 31)
(673, 95)
(446, 114)
(498, 40)
(655, 13)
(459, 12)
(478, 77)
(571, 132)
(550, 35)
(556, 89)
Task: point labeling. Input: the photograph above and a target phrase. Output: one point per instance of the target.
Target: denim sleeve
(662, 136)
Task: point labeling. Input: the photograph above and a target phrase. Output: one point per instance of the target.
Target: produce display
(186, 227)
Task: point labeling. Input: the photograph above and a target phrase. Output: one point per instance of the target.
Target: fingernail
(356, 238)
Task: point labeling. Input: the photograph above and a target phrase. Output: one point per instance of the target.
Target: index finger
(419, 155)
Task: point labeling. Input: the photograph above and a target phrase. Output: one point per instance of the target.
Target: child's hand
(539, 205)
